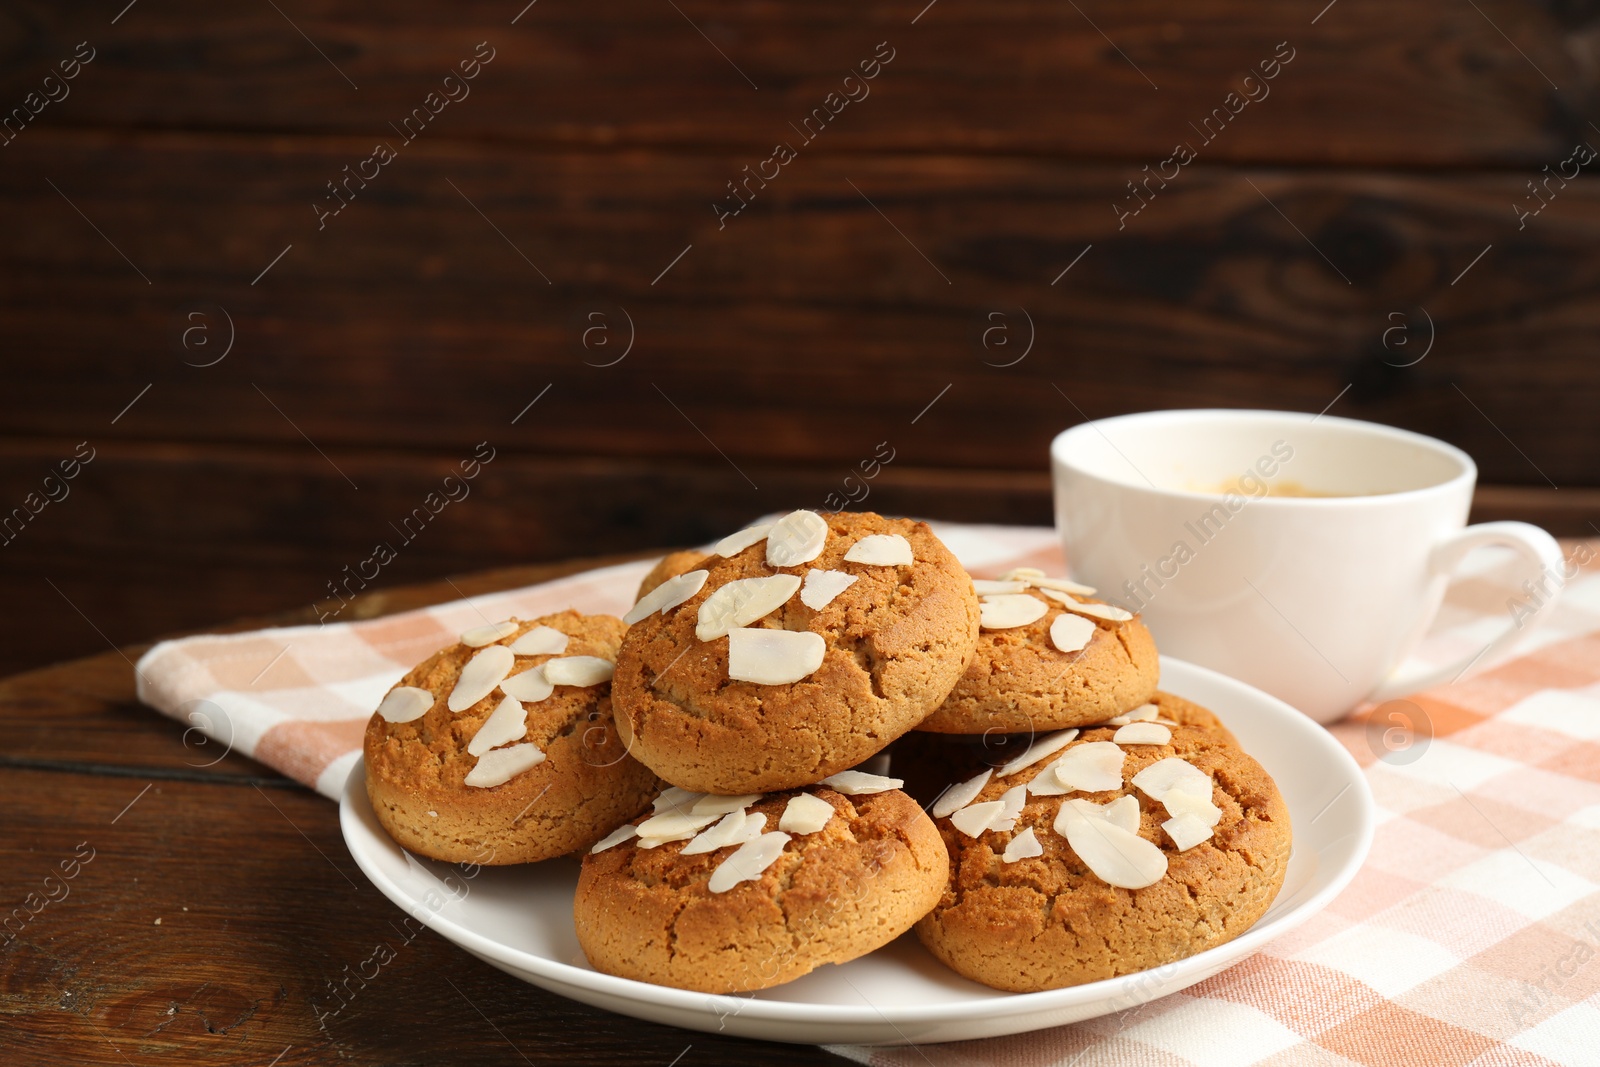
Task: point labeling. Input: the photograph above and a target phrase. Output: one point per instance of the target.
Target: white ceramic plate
(519, 919)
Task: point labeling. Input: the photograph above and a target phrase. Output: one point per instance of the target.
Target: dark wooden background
(779, 351)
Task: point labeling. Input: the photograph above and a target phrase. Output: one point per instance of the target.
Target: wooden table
(167, 906)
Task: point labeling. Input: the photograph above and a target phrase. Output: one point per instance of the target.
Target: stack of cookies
(718, 758)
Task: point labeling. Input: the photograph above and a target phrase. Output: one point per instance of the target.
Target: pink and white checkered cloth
(1471, 936)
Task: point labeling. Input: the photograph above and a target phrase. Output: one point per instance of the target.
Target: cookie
(1038, 899)
(827, 896)
(556, 777)
(670, 566)
(1021, 680)
(805, 651)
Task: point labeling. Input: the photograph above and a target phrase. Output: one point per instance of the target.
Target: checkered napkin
(1471, 936)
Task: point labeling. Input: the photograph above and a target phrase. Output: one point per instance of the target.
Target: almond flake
(530, 687)
(1061, 585)
(1142, 733)
(1010, 610)
(1022, 573)
(805, 814)
(796, 538)
(736, 543)
(1092, 767)
(1098, 611)
(404, 703)
(625, 832)
(1047, 745)
(714, 804)
(1115, 855)
(773, 657)
(823, 585)
(1155, 780)
(989, 587)
(674, 825)
(1143, 713)
(1071, 633)
(1012, 800)
(508, 722)
(540, 641)
(478, 678)
(735, 828)
(479, 636)
(500, 765)
(860, 783)
(1024, 846)
(1191, 795)
(881, 550)
(960, 795)
(741, 602)
(975, 819)
(676, 798)
(578, 670)
(666, 596)
(1046, 784)
(1186, 830)
(1123, 812)
(748, 862)
(754, 823)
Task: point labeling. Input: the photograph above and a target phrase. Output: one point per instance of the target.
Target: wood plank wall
(1367, 202)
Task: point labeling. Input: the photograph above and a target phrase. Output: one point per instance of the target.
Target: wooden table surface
(164, 905)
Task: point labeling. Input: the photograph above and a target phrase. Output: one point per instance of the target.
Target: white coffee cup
(1316, 599)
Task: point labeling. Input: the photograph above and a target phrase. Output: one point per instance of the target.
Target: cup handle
(1542, 555)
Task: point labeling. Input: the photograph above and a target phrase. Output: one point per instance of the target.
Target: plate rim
(1041, 1003)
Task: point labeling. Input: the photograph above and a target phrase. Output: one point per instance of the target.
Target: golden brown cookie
(1020, 681)
(584, 786)
(1049, 920)
(886, 650)
(670, 566)
(829, 896)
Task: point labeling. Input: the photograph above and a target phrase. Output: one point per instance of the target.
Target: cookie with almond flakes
(503, 745)
(805, 648)
(1046, 663)
(1116, 849)
(802, 878)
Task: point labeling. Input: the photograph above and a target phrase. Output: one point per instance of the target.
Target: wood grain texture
(228, 530)
(807, 329)
(212, 923)
(1371, 82)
